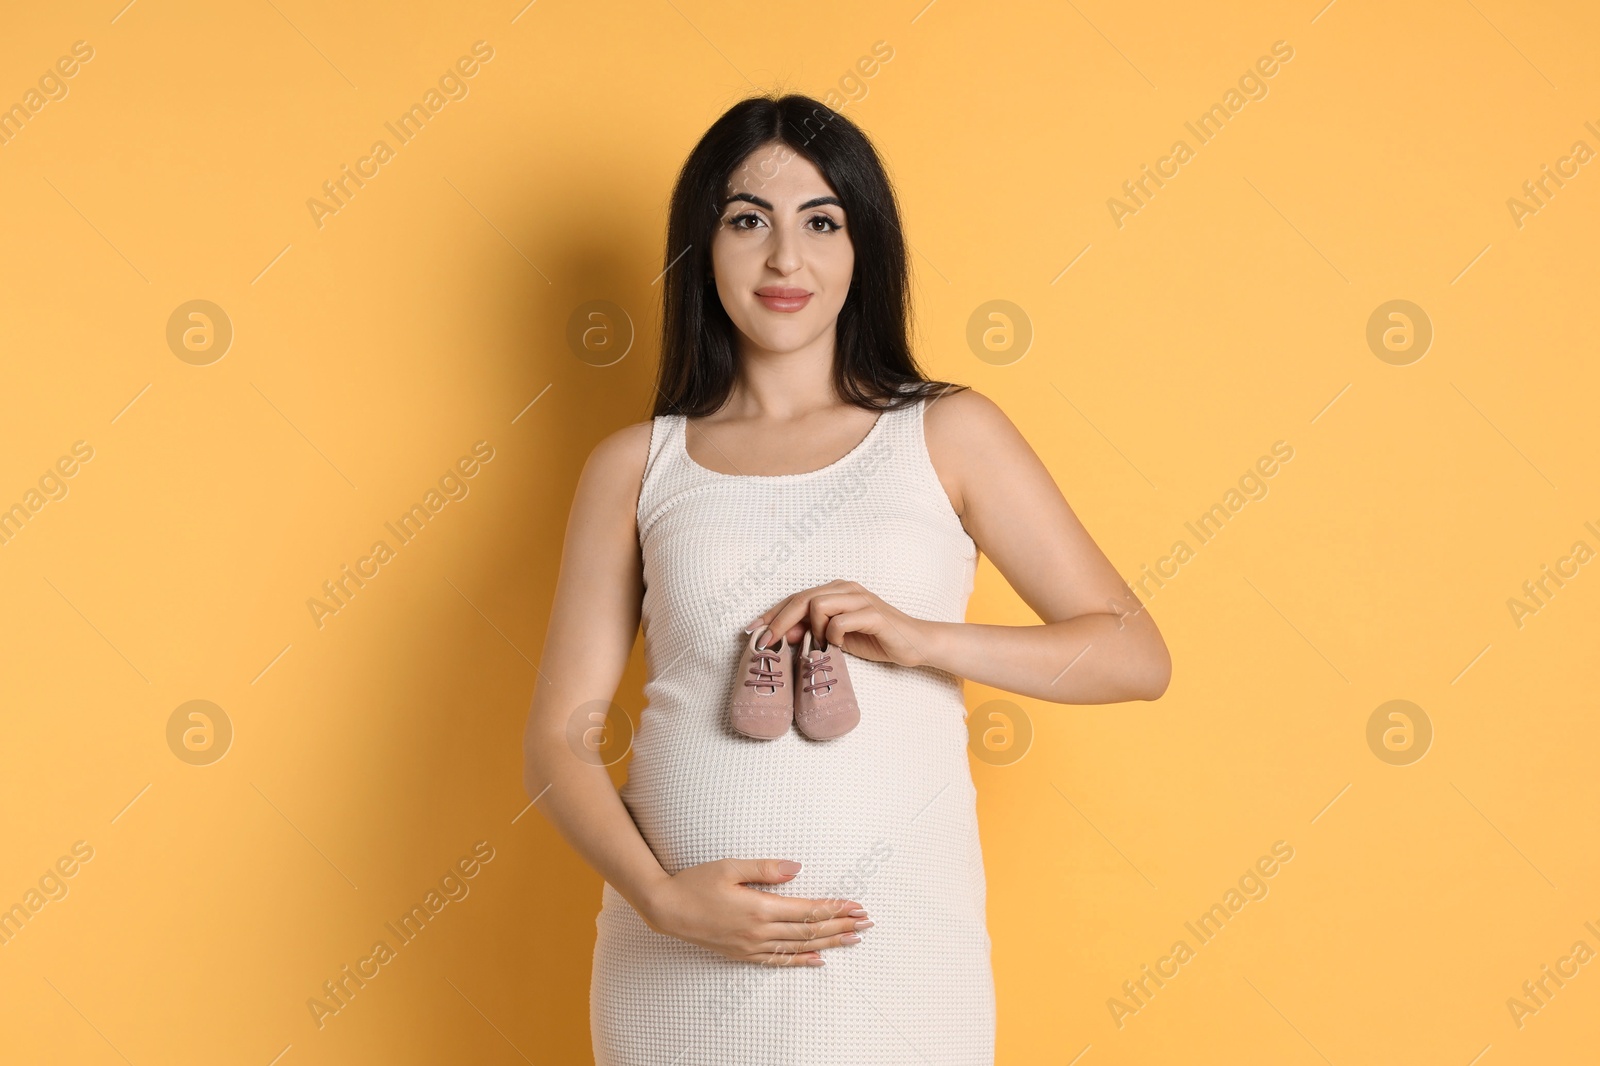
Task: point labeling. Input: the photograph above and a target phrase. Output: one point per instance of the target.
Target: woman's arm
(593, 621)
(1098, 644)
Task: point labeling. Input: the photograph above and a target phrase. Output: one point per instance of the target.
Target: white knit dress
(885, 815)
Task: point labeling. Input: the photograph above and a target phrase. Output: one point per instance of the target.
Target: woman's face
(781, 253)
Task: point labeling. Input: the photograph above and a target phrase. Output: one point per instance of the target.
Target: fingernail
(858, 913)
(865, 925)
(750, 627)
(787, 867)
(814, 961)
(850, 938)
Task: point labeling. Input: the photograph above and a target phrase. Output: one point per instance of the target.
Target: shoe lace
(764, 664)
(811, 668)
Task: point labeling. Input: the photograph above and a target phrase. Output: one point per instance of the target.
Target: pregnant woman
(784, 899)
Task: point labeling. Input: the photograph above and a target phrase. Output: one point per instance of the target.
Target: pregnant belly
(888, 809)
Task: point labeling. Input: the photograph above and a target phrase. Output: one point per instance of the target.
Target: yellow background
(428, 314)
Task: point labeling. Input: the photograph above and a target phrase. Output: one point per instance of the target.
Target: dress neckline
(861, 445)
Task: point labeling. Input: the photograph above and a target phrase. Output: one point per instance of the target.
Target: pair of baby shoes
(776, 686)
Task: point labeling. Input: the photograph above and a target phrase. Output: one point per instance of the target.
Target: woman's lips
(785, 303)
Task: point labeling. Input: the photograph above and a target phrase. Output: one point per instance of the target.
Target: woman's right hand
(711, 905)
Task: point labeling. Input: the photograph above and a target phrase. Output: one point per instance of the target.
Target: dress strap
(661, 430)
(660, 465)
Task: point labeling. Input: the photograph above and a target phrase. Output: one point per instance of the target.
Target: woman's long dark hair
(873, 365)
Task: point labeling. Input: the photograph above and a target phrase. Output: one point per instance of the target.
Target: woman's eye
(828, 224)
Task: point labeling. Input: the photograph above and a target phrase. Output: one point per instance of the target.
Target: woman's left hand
(846, 614)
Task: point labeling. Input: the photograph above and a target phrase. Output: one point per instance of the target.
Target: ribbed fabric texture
(885, 815)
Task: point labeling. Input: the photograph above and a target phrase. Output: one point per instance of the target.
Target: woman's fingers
(790, 930)
(791, 615)
(797, 924)
(784, 909)
(782, 945)
(779, 958)
(801, 943)
(826, 606)
(815, 934)
(717, 905)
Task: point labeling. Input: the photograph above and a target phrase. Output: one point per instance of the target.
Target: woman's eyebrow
(817, 201)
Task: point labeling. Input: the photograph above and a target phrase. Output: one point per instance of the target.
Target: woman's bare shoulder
(964, 430)
(615, 467)
(964, 410)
